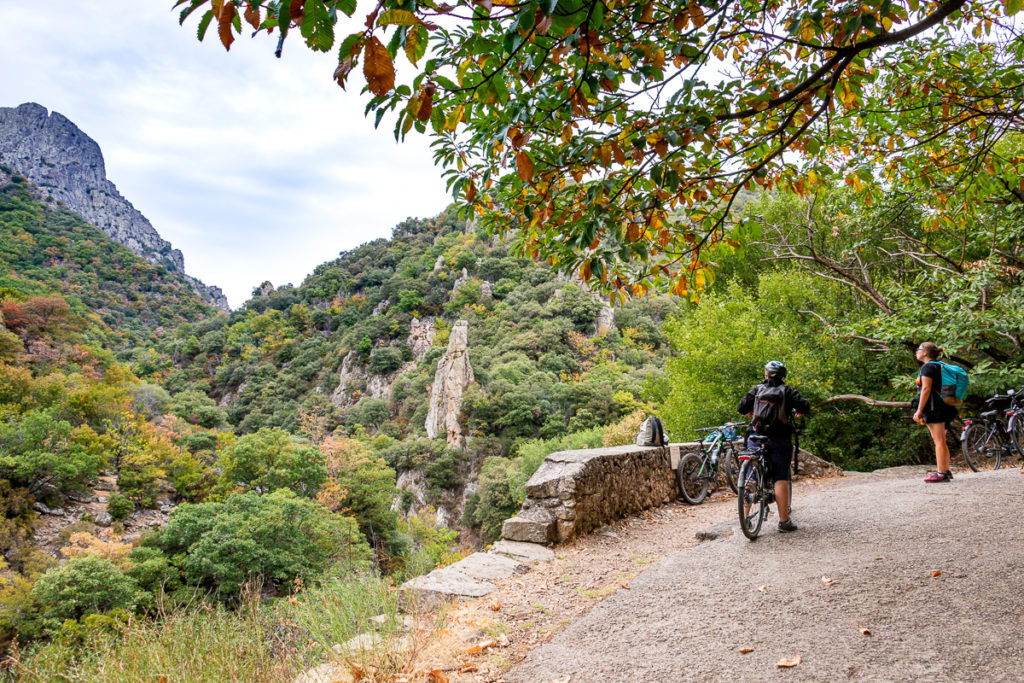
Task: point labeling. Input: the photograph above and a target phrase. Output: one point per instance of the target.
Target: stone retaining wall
(574, 492)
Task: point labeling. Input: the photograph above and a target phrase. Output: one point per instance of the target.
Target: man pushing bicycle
(769, 406)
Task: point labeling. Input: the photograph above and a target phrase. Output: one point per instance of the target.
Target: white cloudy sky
(256, 168)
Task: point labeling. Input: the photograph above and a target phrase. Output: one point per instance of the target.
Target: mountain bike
(986, 439)
(756, 488)
(697, 472)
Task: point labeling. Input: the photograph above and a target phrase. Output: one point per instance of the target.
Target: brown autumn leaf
(661, 147)
(437, 676)
(788, 662)
(495, 606)
(543, 22)
(762, 588)
(935, 573)
(426, 102)
(468, 667)
(524, 166)
(227, 13)
(470, 195)
(295, 12)
(745, 650)
(252, 14)
(378, 67)
(481, 646)
(864, 631)
(828, 581)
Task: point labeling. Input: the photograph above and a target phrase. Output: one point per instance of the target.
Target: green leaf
(204, 23)
(317, 27)
(1012, 7)
(350, 46)
(347, 6)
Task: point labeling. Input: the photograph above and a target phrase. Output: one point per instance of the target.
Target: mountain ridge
(57, 156)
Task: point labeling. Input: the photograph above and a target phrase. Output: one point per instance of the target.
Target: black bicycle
(756, 488)
(697, 472)
(986, 439)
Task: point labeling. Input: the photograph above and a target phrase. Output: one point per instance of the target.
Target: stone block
(524, 552)
(529, 530)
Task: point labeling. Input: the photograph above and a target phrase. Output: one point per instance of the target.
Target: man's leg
(782, 498)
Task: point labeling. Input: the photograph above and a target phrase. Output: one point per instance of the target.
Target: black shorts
(933, 414)
(780, 453)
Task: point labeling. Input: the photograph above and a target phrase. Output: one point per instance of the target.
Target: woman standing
(932, 411)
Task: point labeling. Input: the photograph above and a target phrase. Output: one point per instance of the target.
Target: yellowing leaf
(378, 67)
(745, 650)
(398, 17)
(696, 13)
(936, 573)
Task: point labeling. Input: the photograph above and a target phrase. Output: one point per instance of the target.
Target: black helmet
(775, 369)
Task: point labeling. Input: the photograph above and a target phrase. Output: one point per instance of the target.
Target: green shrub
(120, 507)
(85, 585)
(273, 539)
(272, 459)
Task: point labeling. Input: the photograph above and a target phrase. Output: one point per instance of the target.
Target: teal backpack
(954, 384)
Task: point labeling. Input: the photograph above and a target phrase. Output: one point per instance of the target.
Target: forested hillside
(123, 300)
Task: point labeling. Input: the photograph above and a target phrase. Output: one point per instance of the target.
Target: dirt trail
(933, 573)
(529, 610)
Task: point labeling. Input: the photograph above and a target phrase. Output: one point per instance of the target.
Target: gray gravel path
(880, 539)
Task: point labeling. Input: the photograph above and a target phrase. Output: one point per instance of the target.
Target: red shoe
(936, 477)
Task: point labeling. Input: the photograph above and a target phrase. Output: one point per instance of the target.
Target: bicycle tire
(752, 500)
(730, 464)
(1015, 428)
(693, 483)
(980, 444)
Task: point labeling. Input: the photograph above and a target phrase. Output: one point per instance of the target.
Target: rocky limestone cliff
(452, 377)
(355, 380)
(54, 154)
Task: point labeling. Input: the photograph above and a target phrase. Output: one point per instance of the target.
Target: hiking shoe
(787, 526)
(936, 477)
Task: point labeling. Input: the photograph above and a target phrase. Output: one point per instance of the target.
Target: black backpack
(770, 408)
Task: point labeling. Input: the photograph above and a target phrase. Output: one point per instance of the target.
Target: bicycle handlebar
(727, 425)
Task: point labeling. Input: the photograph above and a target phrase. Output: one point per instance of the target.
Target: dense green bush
(85, 585)
(274, 539)
(120, 507)
(272, 459)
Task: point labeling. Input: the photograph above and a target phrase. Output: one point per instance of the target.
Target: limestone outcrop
(67, 165)
(450, 381)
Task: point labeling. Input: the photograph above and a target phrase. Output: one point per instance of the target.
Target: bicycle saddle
(757, 439)
(989, 413)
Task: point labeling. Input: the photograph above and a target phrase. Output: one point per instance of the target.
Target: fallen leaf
(481, 646)
(763, 589)
(495, 606)
(437, 676)
(468, 668)
(828, 581)
(625, 585)
(936, 573)
(788, 662)
(745, 650)
(864, 631)
(561, 680)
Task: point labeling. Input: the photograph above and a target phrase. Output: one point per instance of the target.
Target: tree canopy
(613, 136)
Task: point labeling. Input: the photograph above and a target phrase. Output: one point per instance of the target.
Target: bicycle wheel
(1016, 430)
(982, 447)
(752, 499)
(692, 477)
(730, 464)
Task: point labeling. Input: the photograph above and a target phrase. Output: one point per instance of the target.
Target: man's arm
(747, 402)
(800, 405)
